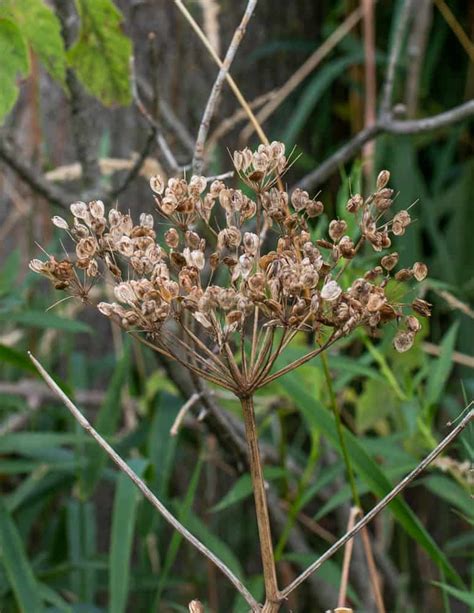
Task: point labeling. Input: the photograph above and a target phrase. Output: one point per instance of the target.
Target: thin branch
(145, 490)
(233, 85)
(416, 49)
(198, 156)
(157, 133)
(33, 177)
(408, 126)
(456, 27)
(135, 169)
(382, 504)
(386, 105)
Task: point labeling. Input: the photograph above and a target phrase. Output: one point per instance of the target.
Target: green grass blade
(106, 424)
(442, 367)
(17, 567)
(317, 415)
(123, 527)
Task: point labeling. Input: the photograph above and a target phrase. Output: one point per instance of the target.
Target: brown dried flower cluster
(235, 278)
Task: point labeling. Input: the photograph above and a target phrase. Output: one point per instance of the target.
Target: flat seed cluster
(232, 267)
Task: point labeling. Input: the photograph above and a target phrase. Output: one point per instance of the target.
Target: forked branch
(145, 490)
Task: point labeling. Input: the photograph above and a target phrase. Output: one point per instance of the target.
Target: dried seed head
(157, 184)
(314, 208)
(420, 271)
(331, 291)
(390, 261)
(421, 307)
(382, 179)
(403, 341)
(337, 228)
(355, 203)
(59, 222)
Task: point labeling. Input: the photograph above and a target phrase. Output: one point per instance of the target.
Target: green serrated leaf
(42, 30)
(102, 52)
(17, 567)
(15, 61)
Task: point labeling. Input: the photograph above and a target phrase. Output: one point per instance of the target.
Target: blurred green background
(74, 534)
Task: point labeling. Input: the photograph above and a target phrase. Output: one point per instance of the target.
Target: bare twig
(458, 357)
(416, 53)
(145, 490)
(373, 574)
(370, 79)
(346, 563)
(198, 162)
(386, 105)
(383, 503)
(456, 28)
(182, 413)
(155, 128)
(210, 13)
(280, 94)
(233, 85)
(134, 171)
(33, 177)
(415, 126)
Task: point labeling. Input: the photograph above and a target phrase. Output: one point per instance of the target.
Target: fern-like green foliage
(102, 52)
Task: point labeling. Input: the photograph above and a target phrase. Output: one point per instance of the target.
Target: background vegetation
(74, 534)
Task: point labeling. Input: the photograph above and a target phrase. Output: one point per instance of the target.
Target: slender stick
(145, 490)
(381, 505)
(346, 563)
(233, 85)
(217, 87)
(263, 520)
(385, 110)
(392, 126)
(374, 577)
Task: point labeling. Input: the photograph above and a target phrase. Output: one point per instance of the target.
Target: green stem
(340, 431)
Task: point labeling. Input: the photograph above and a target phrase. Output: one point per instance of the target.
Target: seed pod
(383, 179)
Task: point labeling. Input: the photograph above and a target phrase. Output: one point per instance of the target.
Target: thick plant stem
(272, 597)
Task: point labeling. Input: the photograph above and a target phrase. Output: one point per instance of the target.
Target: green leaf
(15, 61)
(106, 423)
(40, 319)
(17, 567)
(42, 30)
(123, 525)
(242, 488)
(442, 367)
(461, 595)
(102, 52)
(452, 492)
(16, 358)
(317, 416)
(213, 542)
(320, 82)
(9, 272)
(177, 538)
